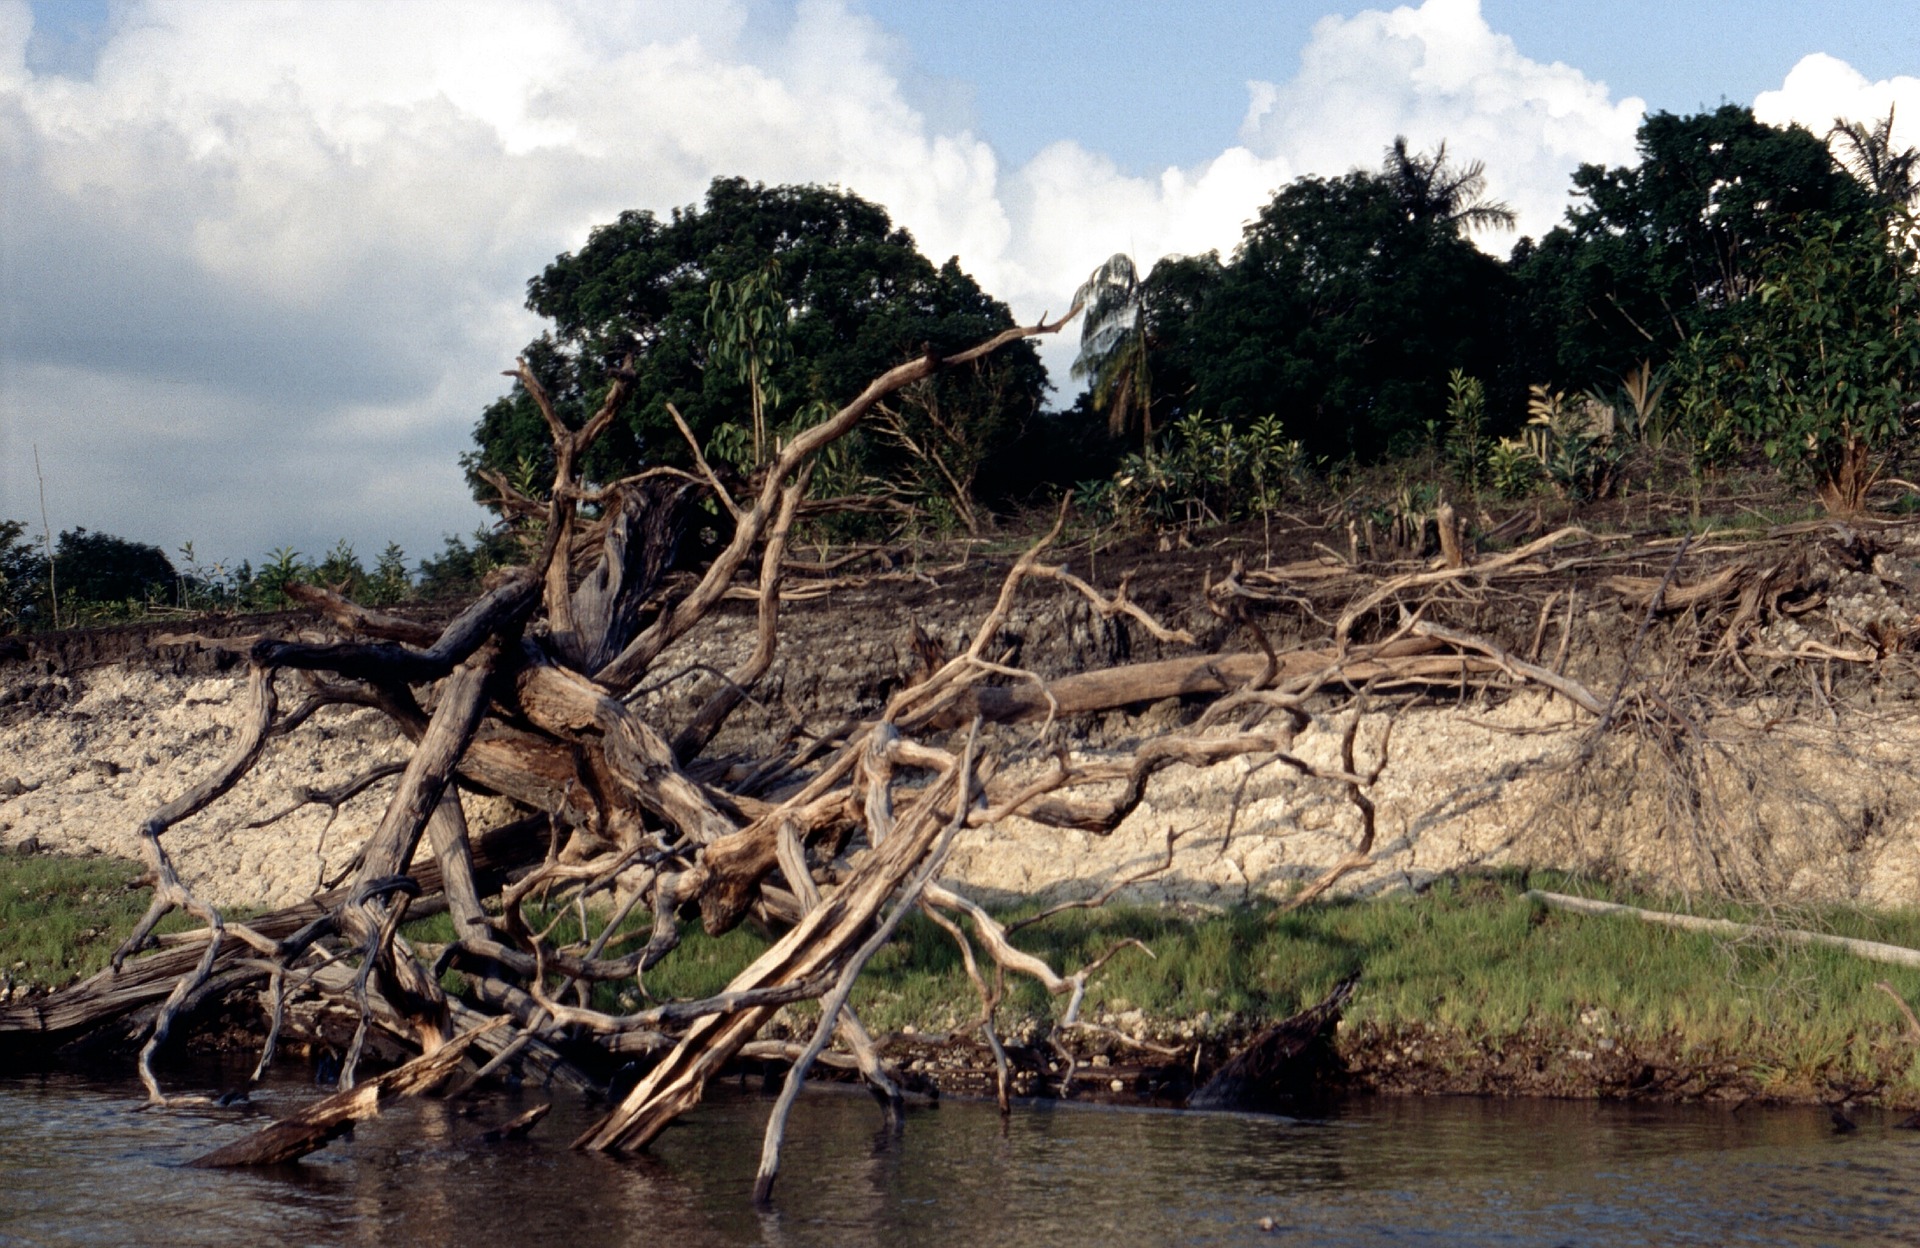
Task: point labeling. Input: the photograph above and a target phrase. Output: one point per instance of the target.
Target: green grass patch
(1471, 957)
(61, 918)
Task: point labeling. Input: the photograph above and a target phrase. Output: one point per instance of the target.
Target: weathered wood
(632, 662)
(145, 980)
(571, 706)
(1286, 1061)
(501, 609)
(1211, 674)
(733, 687)
(327, 1119)
(1871, 950)
(816, 944)
(641, 539)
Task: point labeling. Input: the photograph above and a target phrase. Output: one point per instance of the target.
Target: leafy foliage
(1344, 309)
(1656, 252)
(1890, 177)
(1115, 346)
(23, 576)
(858, 298)
(99, 567)
(1466, 444)
(1431, 190)
(1203, 470)
(1573, 443)
(1820, 368)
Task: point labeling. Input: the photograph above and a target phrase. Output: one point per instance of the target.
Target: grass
(1470, 958)
(61, 918)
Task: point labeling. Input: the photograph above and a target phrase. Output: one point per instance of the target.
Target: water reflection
(79, 1168)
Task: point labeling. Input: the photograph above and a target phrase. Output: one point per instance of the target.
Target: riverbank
(1465, 987)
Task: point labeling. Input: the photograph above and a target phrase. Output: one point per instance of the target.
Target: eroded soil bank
(1761, 739)
(1765, 739)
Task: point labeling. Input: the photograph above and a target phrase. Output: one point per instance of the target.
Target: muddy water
(76, 1167)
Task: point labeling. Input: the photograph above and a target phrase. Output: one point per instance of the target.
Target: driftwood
(535, 692)
(1871, 950)
(327, 1119)
(1282, 1063)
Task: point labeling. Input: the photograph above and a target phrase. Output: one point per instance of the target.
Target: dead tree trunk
(533, 693)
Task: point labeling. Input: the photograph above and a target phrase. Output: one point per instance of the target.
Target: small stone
(11, 786)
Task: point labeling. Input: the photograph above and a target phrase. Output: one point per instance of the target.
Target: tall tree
(1654, 252)
(1130, 323)
(1343, 312)
(1432, 191)
(99, 567)
(1114, 350)
(1891, 178)
(1821, 369)
(858, 295)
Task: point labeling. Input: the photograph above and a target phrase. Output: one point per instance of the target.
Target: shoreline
(1505, 998)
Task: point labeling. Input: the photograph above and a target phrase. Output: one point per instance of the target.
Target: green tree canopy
(1820, 369)
(1344, 310)
(99, 567)
(860, 297)
(1652, 253)
(23, 575)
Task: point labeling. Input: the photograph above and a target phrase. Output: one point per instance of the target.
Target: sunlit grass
(1472, 958)
(61, 918)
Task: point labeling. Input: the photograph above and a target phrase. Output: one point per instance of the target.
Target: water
(77, 1167)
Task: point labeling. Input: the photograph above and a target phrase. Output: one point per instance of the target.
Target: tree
(1343, 312)
(857, 295)
(1114, 347)
(1130, 326)
(23, 576)
(1656, 251)
(1431, 190)
(748, 321)
(99, 567)
(1890, 178)
(1821, 368)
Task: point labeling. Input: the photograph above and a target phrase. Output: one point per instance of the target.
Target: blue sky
(261, 261)
(1159, 84)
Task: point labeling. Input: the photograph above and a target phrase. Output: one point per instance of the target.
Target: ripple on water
(80, 1168)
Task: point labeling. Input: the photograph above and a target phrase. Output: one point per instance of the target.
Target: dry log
(1280, 1064)
(143, 981)
(327, 1119)
(820, 941)
(1871, 950)
(1136, 683)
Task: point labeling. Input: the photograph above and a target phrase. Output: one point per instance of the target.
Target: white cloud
(1439, 72)
(263, 268)
(1822, 89)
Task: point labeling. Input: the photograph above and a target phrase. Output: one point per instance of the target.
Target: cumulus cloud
(261, 270)
(1822, 89)
(1440, 73)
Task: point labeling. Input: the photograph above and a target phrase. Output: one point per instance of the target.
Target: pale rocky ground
(1820, 810)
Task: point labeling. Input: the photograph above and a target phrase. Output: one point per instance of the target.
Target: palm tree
(1431, 190)
(1867, 153)
(1114, 345)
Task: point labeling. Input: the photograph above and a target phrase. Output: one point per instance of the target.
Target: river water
(77, 1166)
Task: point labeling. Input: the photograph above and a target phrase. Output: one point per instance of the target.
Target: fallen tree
(536, 691)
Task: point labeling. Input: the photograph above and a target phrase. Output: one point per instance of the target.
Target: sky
(263, 261)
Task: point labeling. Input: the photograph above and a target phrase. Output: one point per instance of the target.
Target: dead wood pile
(533, 692)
